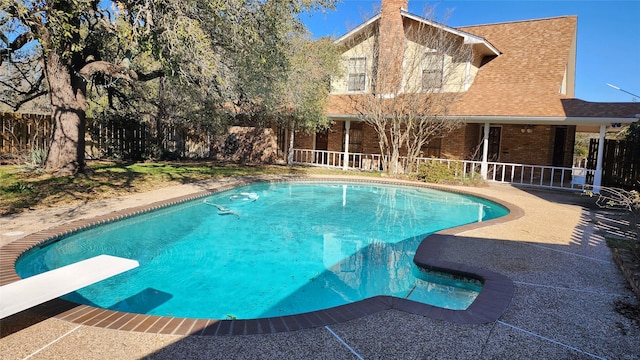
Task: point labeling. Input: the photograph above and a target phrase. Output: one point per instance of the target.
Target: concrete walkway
(567, 287)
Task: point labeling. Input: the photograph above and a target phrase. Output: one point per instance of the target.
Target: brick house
(515, 98)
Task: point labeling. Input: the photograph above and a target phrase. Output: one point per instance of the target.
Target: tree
(415, 80)
(229, 50)
(306, 88)
(633, 133)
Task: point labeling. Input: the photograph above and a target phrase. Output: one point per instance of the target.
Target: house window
(432, 71)
(357, 74)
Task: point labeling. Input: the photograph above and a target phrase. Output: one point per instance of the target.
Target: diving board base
(37, 289)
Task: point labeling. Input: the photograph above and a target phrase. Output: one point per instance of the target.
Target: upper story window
(432, 71)
(357, 74)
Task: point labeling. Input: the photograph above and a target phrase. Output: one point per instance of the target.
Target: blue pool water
(272, 249)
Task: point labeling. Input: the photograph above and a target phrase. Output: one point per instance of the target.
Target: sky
(608, 41)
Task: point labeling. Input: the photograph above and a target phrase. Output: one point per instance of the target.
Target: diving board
(37, 289)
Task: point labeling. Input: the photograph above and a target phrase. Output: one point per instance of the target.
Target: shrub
(436, 172)
(442, 173)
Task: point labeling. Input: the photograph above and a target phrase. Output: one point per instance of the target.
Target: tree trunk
(68, 105)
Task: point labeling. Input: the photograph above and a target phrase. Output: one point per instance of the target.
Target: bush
(442, 173)
(436, 172)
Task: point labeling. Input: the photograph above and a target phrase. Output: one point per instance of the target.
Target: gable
(522, 68)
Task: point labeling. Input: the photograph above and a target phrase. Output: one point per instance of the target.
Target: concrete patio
(564, 305)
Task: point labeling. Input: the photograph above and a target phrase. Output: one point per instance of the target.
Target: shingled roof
(525, 80)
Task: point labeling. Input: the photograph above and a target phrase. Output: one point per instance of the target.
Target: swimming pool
(273, 249)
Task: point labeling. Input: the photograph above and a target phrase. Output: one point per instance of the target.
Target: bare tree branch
(25, 100)
(404, 88)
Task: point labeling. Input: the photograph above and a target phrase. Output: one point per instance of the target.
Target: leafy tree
(305, 89)
(581, 146)
(228, 51)
(633, 133)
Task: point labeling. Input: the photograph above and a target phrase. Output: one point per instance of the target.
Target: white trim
(347, 127)
(531, 120)
(356, 30)
(484, 166)
(469, 38)
(542, 176)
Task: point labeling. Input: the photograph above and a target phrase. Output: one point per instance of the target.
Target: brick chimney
(391, 44)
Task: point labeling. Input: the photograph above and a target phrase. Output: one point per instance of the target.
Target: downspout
(597, 177)
(484, 167)
(345, 161)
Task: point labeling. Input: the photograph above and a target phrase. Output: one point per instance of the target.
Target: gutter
(528, 120)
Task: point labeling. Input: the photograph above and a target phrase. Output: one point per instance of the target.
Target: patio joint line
(551, 340)
(53, 342)
(568, 288)
(343, 343)
(570, 253)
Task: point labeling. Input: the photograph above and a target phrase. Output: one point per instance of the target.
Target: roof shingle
(525, 79)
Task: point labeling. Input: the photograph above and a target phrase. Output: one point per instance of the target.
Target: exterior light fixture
(527, 129)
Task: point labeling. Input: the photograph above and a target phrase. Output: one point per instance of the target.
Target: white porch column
(345, 161)
(484, 167)
(291, 140)
(597, 177)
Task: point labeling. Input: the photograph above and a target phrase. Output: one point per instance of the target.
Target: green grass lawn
(22, 188)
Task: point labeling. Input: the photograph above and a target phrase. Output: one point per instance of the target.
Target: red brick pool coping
(488, 306)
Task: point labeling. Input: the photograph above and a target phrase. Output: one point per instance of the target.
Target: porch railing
(553, 177)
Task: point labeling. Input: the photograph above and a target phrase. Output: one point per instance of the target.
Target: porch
(551, 177)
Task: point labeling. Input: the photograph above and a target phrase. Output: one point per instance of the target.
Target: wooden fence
(621, 163)
(22, 136)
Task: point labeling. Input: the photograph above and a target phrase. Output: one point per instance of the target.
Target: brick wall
(302, 141)
(454, 145)
(534, 148)
(336, 139)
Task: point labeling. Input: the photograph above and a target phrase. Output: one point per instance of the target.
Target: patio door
(559, 146)
(495, 135)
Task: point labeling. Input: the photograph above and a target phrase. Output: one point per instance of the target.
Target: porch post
(291, 141)
(345, 161)
(597, 177)
(484, 167)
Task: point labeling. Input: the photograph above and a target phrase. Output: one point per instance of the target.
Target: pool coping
(490, 304)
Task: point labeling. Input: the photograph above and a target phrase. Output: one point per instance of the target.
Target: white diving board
(26, 293)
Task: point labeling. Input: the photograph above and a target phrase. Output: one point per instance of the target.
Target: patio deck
(567, 287)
